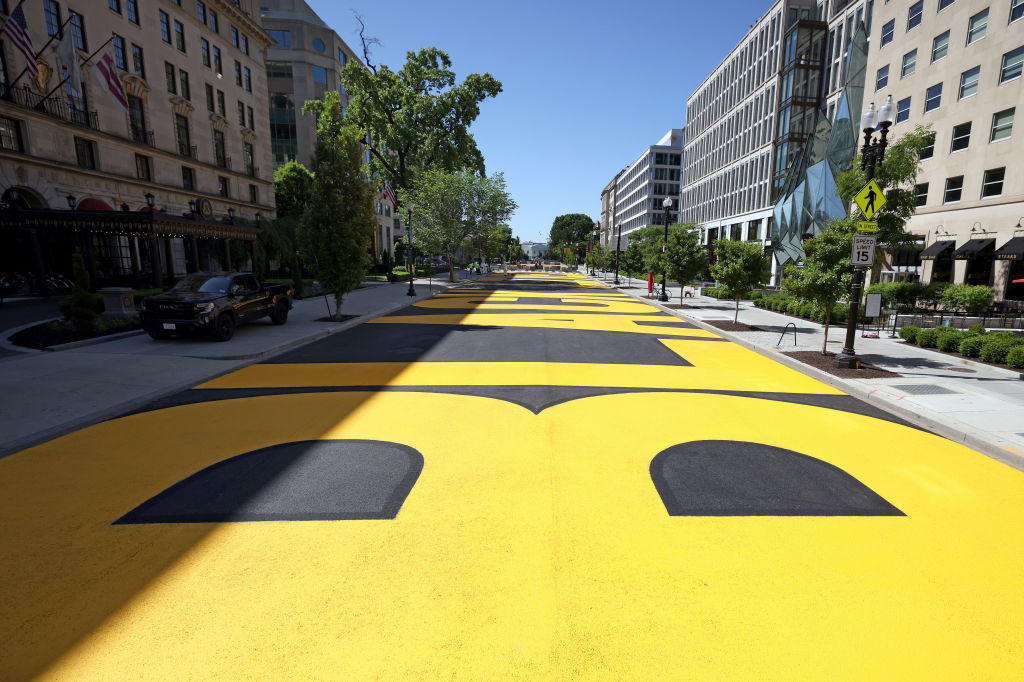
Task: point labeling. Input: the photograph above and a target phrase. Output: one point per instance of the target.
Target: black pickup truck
(214, 303)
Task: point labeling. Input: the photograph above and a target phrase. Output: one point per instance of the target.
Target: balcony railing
(145, 137)
(57, 107)
(184, 149)
(223, 161)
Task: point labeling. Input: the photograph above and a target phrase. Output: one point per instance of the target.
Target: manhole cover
(965, 370)
(924, 389)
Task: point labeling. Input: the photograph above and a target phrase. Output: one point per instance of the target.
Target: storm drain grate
(924, 389)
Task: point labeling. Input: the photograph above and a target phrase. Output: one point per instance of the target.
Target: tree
(337, 228)
(293, 185)
(417, 118)
(571, 230)
(741, 266)
(685, 258)
(632, 259)
(827, 274)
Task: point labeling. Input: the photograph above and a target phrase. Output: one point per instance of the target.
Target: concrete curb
(972, 439)
(8, 333)
(115, 411)
(96, 339)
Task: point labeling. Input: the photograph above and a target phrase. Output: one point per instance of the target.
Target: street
(531, 476)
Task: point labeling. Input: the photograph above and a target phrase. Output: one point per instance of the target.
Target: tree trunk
(736, 318)
(824, 345)
(451, 265)
(337, 303)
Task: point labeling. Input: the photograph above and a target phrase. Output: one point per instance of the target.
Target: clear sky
(587, 86)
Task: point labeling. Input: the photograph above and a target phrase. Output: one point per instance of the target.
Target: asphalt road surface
(530, 477)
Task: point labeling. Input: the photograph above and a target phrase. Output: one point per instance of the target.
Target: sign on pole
(863, 255)
(864, 226)
(870, 199)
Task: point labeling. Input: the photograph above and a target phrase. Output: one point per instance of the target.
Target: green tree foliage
(827, 274)
(685, 258)
(83, 303)
(632, 260)
(572, 230)
(451, 207)
(741, 267)
(293, 186)
(418, 117)
(337, 228)
(967, 297)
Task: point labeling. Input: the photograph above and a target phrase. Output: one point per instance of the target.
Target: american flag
(17, 29)
(389, 194)
(108, 77)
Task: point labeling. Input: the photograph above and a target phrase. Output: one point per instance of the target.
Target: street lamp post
(872, 153)
(594, 241)
(667, 205)
(412, 259)
(618, 248)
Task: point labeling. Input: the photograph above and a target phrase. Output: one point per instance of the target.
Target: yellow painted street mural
(531, 476)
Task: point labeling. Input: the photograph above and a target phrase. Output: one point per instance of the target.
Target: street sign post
(864, 226)
(871, 199)
(863, 255)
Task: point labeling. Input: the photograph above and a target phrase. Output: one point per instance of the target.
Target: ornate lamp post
(595, 238)
(412, 260)
(872, 153)
(667, 205)
(618, 247)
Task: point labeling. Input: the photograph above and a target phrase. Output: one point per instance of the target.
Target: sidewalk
(968, 402)
(47, 394)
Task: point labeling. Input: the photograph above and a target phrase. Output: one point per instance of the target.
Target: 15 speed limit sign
(863, 250)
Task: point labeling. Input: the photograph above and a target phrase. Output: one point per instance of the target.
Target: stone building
(175, 178)
(635, 201)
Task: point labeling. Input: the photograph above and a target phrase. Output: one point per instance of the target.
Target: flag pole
(66, 78)
(60, 32)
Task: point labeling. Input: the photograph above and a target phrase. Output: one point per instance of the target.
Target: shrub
(83, 303)
(996, 348)
(970, 347)
(976, 329)
(1015, 358)
(840, 314)
(972, 298)
(806, 309)
(909, 333)
(757, 297)
(950, 341)
(928, 338)
(793, 306)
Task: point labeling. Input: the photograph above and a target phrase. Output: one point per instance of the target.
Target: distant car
(215, 304)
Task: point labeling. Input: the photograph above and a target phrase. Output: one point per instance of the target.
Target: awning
(937, 249)
(972, 247)
(116, 222)
(94, 205)
(1011, 250)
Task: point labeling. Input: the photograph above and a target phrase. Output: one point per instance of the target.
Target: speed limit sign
(863, 250)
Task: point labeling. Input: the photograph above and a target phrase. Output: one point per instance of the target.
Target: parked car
(214, 303)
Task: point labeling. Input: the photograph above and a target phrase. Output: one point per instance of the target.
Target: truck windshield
(203, 283)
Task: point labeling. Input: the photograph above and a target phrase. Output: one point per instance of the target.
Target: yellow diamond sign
(870, 199)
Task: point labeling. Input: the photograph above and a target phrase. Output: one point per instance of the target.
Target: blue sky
(587, 85)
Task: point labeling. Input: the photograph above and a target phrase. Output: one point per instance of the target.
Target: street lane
(531, 476)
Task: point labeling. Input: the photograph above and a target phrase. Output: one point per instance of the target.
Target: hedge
(1015, 358)
(909, 333)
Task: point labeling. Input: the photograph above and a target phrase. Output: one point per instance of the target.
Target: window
(204, 48)
(254, 194)
(10, 135)
(954, 187)
(182, 135)
(961, 137)
(1012, 61)
(51, 10)
(241, 114)
(279, 69)
(909, 63)
(114, 5)
(213, 23)
(940, 46)
(320, 75)
(143, 167)
(77, 30)
(283, 38)
(976, 27)
(992, 185)
(921, 191)
(247, 157)
(1016, 10)
(882, 77)
(209, 98)
(120, 58)
(248, 78)
(201, 10)
(928, 151)
(138, 63)
(179, 36)
(933, 98)
(188, 178)
(220, 103)
(172, 82)
(216, 61)
(1002, 125)
(133, 11)
(318, 45)
(969, 82)
(902, 110)
(943, 4)
(238, 73)
(186, 91)
(887, 32)
(165, 27)
(219, 149)
(343, 58)
(245, 44)
(251, 126)
(222, 186)
(85, 153)
(914, 14)
(234, 36)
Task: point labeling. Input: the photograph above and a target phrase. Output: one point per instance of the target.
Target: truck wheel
(224, 327)
(279, 315)
(158, 333)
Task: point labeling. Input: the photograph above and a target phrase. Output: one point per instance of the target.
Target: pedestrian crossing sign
(870, 199)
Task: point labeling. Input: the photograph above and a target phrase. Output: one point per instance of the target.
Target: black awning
(937, 249)
(1011, 250)
(972, 247)
(124, 223)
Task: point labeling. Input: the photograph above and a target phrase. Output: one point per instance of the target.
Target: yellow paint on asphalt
(552, 320)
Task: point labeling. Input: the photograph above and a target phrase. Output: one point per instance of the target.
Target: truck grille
(171, 311)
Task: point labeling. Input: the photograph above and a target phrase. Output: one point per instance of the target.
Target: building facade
(173, 178)
(608, 223)
(956, 67)
(643, 185)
